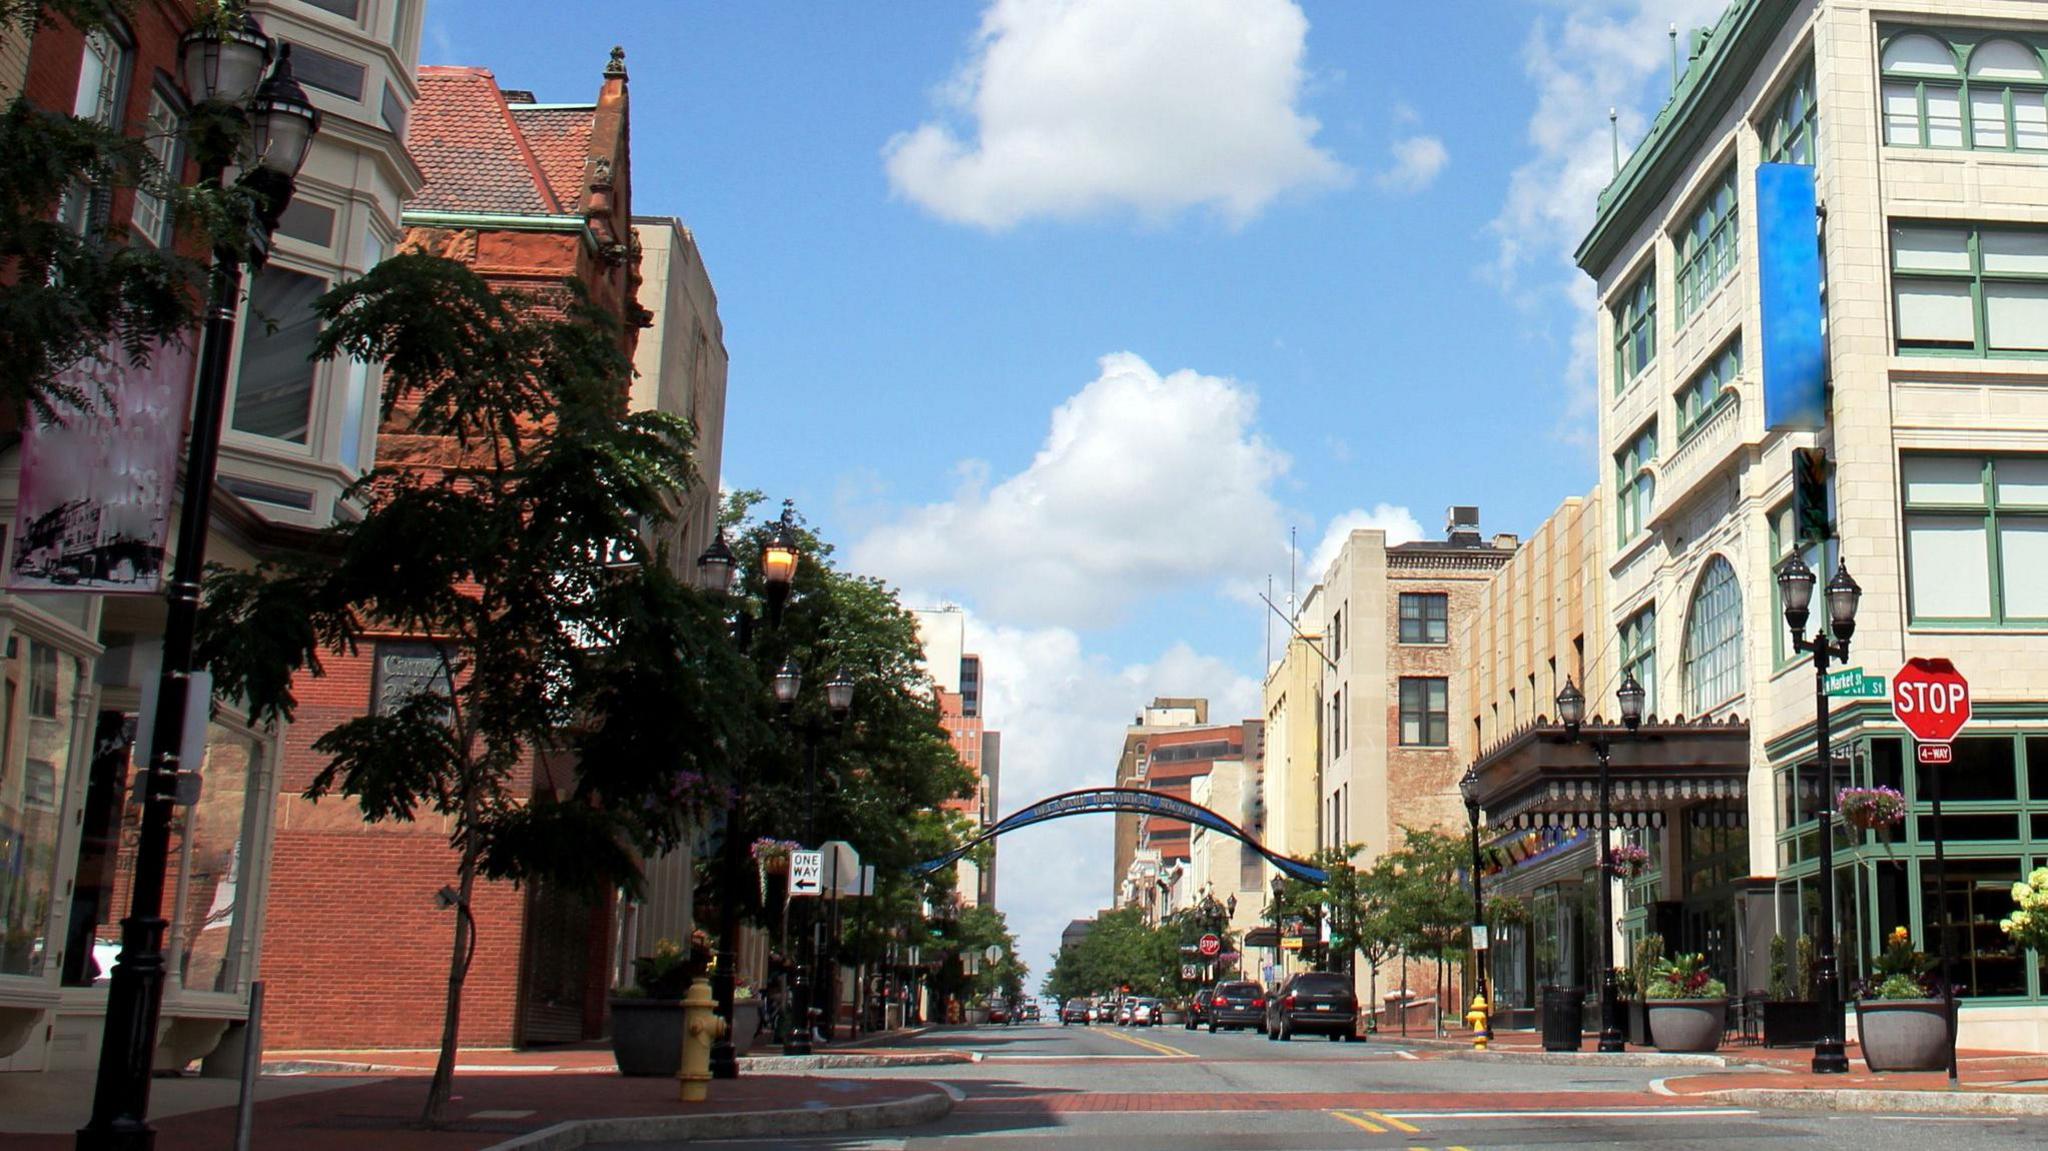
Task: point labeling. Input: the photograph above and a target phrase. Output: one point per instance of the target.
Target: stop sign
(1932, 699)
(1211, 946)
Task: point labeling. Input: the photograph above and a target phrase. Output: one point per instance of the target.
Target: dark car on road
(1075, 1011)
(1232, 1006)
(1198, 1009)
(1313, 1003)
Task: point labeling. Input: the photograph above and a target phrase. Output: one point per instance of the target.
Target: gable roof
(472, 150)
(559, 137)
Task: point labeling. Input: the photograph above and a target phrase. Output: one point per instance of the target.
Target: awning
(1262, 937)
(1634, 803)
(1540, 777)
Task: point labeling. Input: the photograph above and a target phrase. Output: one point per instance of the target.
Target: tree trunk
(451, 1018)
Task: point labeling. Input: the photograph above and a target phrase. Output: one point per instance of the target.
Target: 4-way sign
(1932, 699)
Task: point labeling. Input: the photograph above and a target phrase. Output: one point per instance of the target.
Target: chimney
(1461, 525)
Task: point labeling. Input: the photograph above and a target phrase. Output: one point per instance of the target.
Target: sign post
(1932, 699)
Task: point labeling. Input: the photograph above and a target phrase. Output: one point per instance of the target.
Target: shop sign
(404, 669)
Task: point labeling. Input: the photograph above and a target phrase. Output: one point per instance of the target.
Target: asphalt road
(1040, 1087)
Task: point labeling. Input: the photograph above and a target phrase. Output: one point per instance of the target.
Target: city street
(1168, 1089)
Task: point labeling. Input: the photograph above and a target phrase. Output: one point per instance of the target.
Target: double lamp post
(224, 66)
(1571, 711)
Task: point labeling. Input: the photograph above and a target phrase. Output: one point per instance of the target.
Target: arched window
(2008, 96)
(1923, 93)
(1713, 640)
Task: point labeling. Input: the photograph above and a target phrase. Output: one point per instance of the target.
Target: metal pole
(1948, 983)
(1611, 1038)
(799, 1042)
(1478, 915)
(1829, 1056)
(135, 995)
(252, 1064)
(725, 1062)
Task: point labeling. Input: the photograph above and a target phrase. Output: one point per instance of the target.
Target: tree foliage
(1121, 950)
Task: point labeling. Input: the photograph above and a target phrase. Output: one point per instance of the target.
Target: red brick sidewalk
(487, 1108)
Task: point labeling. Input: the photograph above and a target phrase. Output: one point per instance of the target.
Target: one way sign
(806, 872)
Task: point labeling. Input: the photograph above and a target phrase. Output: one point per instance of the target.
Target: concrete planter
(1903, 1034)
(647, 1035)
(1687, 1024)
(746, 1018)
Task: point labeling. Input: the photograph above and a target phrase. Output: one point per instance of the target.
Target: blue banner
(1789, 285)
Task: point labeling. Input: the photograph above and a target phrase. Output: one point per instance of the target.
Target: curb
(1934, 1102)
(772, 1064)
(734, 1125)
(1595, 1059)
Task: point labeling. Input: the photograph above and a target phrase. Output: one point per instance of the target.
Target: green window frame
(1963, 289)
(1976, 535)
(1973, 90)
(1635, 488)
(1635, 329)
(1707, 247)
(1425, 617)
(1639, 654)
(1425, 712)
(1791, 129)
(1709, 389)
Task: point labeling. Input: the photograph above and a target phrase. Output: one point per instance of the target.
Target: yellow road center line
(1149, 1045)
(1396, 1124)
(1360, 1121)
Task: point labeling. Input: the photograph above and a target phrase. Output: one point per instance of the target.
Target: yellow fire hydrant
(1477, 1020)
(701, 1028)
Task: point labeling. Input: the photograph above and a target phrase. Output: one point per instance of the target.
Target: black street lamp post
(1571, 709)
(1795, 588)
(1468, 789)
(838, 700)
(221, 65)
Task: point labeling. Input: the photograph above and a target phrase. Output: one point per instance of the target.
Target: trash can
(1563, 1008)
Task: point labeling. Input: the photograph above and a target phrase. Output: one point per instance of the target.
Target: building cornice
(500, 222)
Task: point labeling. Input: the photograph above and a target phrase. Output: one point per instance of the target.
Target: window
(1976, 538)
(1961, 289)
(36, 765)
(1789, 130)
(1703, 395)
(1713, 640)
(1635, 329)
(1706, 250)
(274, 388)
(1975, 90)
(152, 216)
(1425, 617)
(1337, 635)
(1639, 654)
(1336, 723)
(326, 71)
(1634, 487)
(348, 9)
(102, 75)
(1425, 713)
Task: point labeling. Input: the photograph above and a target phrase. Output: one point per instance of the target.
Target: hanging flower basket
(773, 855)
(1871, 808)
(1628, 860)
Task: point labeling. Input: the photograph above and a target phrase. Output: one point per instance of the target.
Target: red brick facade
(356, 949)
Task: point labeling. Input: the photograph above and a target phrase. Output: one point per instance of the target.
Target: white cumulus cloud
(1399, 523)
(1068, 108)
(1418, 161)
(1145, 483)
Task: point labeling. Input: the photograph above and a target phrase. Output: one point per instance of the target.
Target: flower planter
(1903, 1034)
(1687, 1024)
(647, 1035)
(1793, 1022)
(746, 1023)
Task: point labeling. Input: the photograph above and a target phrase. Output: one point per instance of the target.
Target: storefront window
(213, 832)
(36, 724)
(1979, 893)
(1982, 770)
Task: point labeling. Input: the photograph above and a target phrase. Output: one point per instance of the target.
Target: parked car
(1198, 1009)
(1031, 1013)
(998, 1012)
(1145, 1012)
(1235, 1006)
(1081, 1011)
(1123, 1011)
(1313, 1003)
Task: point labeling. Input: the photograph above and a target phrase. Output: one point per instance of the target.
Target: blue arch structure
(1092, 800)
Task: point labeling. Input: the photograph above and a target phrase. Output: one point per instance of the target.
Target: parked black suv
(1312, 1003)
(1232, 1006)
(1198, 1008)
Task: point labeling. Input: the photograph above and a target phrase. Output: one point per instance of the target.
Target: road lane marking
(1150, 1045)
(1409, 1055)
(1643, 1113)
(1360, 1121)
(1396, 1124)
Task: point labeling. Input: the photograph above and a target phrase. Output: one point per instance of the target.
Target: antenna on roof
(1269, 623)
(1614, 134)
(1674, 55)
(1292, 602)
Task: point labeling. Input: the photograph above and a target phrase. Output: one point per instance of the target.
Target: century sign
(1932, 699)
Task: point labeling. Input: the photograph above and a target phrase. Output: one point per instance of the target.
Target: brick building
(959, 687)
(531, 196)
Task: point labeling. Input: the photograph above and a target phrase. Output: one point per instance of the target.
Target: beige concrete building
(1292, 783)
(1925, 124)
(1133, 761)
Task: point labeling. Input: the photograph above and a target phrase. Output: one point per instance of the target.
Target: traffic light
(1810, 496)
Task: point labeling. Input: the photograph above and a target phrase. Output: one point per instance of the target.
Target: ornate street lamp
(1795, 589)
(717, 567)
(1468, 789)
(1571, 709)
(221, 63)
(779, 562)
(839, 695)
(789, 680)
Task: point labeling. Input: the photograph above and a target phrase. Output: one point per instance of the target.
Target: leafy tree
(1431, 901)
(551, 652)
(1120, 950)
(76, 292)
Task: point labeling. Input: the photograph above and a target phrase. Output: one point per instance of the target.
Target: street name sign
(1211, 946)
(1852, 683)
(806, 872)
(1932, 699)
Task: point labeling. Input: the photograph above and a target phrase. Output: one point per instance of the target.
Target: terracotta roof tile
(560, 139)
(471, 149)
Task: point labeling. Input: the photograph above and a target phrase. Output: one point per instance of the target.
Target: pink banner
(94, 511)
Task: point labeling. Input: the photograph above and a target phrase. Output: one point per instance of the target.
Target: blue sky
(1323, 244)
